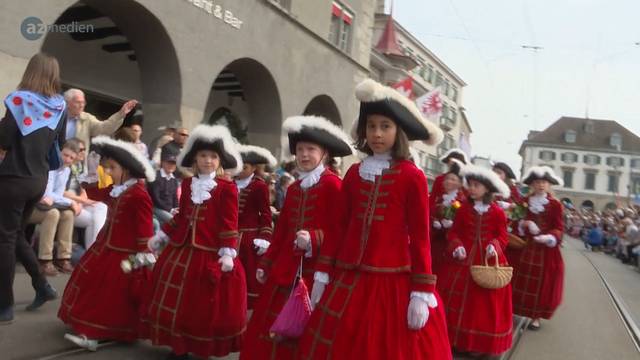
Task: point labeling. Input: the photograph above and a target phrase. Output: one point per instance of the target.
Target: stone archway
(587, 204)
(127, 55)
(323, 105)
(246, 96)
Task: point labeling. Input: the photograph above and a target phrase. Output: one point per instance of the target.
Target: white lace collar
(373, 166)
(117, 190)
(164, 174)
(481, 207)
(449, 197)
(243, 183)
(201, 187)
(310, 178)
(537, 203)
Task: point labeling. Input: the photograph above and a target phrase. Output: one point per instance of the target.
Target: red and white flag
(405, 87)
(430, 104)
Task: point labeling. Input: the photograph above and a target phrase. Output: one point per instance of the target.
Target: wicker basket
(491, 277)
(516, 242)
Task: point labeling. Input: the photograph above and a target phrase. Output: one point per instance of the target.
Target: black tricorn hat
(126, 154)
(487, 177)
(376, 98)
(256, 155)
(317, 130)
(541, 173)
(506, 169)
(216, 138)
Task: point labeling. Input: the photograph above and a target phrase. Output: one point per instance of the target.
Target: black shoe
(44, 294)
(6, 316)
(174, 356)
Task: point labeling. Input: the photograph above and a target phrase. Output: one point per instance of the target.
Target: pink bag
(294, 315)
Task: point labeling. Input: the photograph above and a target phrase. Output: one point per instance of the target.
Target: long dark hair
(42, 75)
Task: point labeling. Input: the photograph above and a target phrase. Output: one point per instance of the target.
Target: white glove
(158, 241)
(436, 224)
(491, 251)
(503, 204)
(547, 239)
(521, 227)
(460, 253)
(533, 228)
(320, 281)
(260, 276)
(227, 263)
(303, 240)
(261, 246)
(418, 311)
(446, 223)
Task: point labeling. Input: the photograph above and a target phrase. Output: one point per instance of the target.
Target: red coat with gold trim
(254, 217)
(538, 270)
(100, 300)
(312, 210)
(479, 319)
(194, 306)
(382, 256)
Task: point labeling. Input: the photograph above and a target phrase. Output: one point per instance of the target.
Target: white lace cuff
(227, 251)
(321, 277)
(428, 297)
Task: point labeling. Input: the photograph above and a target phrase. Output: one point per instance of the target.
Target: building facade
(247, 63)
(599, 160)
(397, 55)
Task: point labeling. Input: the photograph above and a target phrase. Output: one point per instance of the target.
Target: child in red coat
(538, 268)
(442, 212)
(101, 301)
(254, 214)
(307, 221)
(380, 301)
(479, 319)
(198, 301)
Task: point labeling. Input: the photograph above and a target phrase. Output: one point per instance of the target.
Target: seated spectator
(55, 214)
(595, 238)
(164, 191)
(93, 214)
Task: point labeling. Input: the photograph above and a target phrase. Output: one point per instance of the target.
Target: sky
(589, 62)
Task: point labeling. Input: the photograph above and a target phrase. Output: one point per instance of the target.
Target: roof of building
(591, 134)
(388, 43)
(420, 45)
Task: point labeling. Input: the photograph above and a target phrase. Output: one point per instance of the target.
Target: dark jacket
(164, 193)
(27, 155)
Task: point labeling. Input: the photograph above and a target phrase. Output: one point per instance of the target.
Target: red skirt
(479, 320)
(438, 250)
(538, 280)
(258, 345)
(364, 316)
(194, 307)
(100, 301)
(250, 259)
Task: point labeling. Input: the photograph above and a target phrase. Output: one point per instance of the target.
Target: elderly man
(85, 126)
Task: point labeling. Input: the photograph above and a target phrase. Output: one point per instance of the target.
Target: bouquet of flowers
(517, 212)
(137, 261)
(449, 212)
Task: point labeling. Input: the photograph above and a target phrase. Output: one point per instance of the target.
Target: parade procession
(202, 179)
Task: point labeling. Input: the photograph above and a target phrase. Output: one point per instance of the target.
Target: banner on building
(430, 104)
(405, 87)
